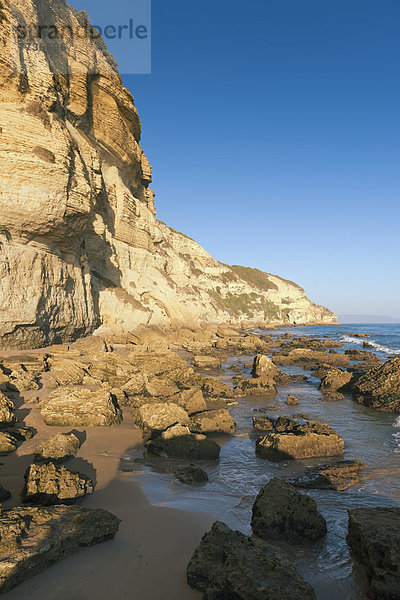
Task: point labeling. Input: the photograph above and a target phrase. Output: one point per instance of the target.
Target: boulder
(379, 388)
(34, 538)
(256, 386)
(263, 423)
(281, 513)
(213, 421)
(228, 565)
(179, 442)
(71, 407)
(334, 379)
(8, 443)
(310, 358)
(191, 475)
(336, 476)
(207, 362)
(67, 371)
(362, 355)
(292, 401)
(58, 448)
(156, 418)
(51, 484)
(374, 537)
(6, 410)
(212, 388)
(300, 441)
(192, 400)
(20, 432)
(264, 367)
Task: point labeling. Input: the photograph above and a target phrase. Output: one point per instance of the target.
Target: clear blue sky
(273, 130)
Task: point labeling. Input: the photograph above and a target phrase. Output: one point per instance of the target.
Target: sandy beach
(147, 557)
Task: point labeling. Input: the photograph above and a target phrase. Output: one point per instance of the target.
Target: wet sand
(146, 560)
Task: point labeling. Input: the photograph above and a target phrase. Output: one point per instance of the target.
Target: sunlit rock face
(80, 243)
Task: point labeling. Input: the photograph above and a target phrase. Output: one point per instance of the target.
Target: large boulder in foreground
(72, 407)
(156, 418)
(303, 441)
(379, 388)
(229, 565)
(374, 536)
(34, 538)
(51, 484)
(281, 513)
(336, 476)
(179, 442)
(213, 421)
(58, 448)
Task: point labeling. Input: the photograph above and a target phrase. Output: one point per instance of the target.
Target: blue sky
(273, 130)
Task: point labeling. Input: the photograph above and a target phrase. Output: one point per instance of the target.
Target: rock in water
(213, 421)
(229, 565)
(51, 484)
(281, 513)
(263, 423)
(300, 441)
(191, 475)
(156, 418)
(379, 388)
(336, 476)
(70, 407)
(58, 448)
(34, 538)
(374, 536)
(179, 442)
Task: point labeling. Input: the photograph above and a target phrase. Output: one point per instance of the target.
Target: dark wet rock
(229, 565)
(298, 377)
(8, 443)
(213, 421)
(48, 484)
(156, 418)
(179, 442)
(4, 494)
(334, 379)
(33, 538)
(335, 476)
(285, 425)
(191, 475)
(263, 423)
(292, 401)
(282, 513)
(58, 448)
(374, 537)
(72, 407)
(379, 388)
(6, 410)
(367, 345)
(300, 441)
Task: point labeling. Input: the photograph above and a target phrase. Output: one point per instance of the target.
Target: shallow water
(369, 436)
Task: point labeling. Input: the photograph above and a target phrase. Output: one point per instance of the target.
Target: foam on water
(353, 340)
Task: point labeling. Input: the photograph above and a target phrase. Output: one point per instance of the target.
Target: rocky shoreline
(158, 383)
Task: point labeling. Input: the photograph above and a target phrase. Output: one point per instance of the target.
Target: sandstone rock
(292, 400)
(379, 388)
(51, 484)
(207, 362)
(6, 410)
(191, 400)
(156, 418)
(72, 407)
(68, 371)
(213, 421)
(255, 387)
(230, 565)
(33, 538)
(310, 359)
(8, 443)
(263, 366)
(212, 388)
(179, 442)
(335, 476)
(334, 379)
(191, 475)
(58, 448)
(362, 355)
(282, 513)
(20, 432)
(374, 536)
(303, 441)
(263, 423)
(161, 387)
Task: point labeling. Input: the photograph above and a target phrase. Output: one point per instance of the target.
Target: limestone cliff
(80, 246)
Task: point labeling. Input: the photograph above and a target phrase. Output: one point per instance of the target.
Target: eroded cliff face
(81, 247)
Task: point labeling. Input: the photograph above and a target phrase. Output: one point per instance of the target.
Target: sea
(369, 435)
